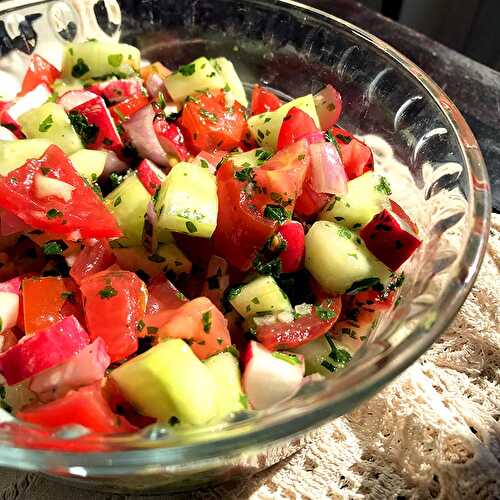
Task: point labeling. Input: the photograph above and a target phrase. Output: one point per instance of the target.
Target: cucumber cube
(265, 128)
(366, 196)
(260, 296)
(187, 202)
(225, 68)
(193, 77)
(51, 122)
(169, 380)
(337, 258)
(89, 163)
(14, 154)
(250, 159)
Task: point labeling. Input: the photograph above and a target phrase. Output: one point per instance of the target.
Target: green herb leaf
(55, 247)
(79, 69)
(107, 292)
(244, 401)
(346, 139)
(277, 213)
(88, 133)
(187, 69)
(117, 201)
(383, 186)
(208, 115)
(361, 285)
(156, 258)
(140, 325)
(46, 124)
(289, 358)
(325, 314)
(115, 60)
(245, 174)
(206, 319)
(53, 213)
(191, 227)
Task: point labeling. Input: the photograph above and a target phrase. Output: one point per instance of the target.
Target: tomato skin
(85, 406)
(200, 322)
(241, 230)
(48, 300)
(163, 300)
(293, 255)
(209, 124)
(264, 100)
(300, 331)
(39, 71)
(356, 156)
(310, 202)
(122, 111)
(296, 124)
(84, 214)
(96, 256)
(114, 303)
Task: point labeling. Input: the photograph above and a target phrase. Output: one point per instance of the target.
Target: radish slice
(313, 137)
(142, 134)
(171, 138)
(85, 368)
(328, 106)
(115, 91)
(154, 85)
(9, 310)
(6, 134)
(11, 224)
(328, 174)
(149, 174)
(74, 98)
(33, 99)
(113, 164)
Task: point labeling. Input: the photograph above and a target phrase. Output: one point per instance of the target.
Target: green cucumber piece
(225, 370)
(250, 159)
(187, 202)
(51, 122)
(191, 78)
(100, 60)
(14, 154)
(128, 203)
(226, 69)
(315, 353)
(169, 381)
(260, 296)
(367, 195)
(265, 127)
(89, 163)
(167, 258)
(337, 258)
(60, 87)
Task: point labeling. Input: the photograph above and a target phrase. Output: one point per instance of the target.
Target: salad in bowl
(173, 251)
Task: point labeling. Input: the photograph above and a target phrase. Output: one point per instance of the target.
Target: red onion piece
(328, 174)
(312, 137)
(154, 84)
(11, 224)
(328, 106)
(113, 164)
(142, 134)
(75, 98)
(6, 134)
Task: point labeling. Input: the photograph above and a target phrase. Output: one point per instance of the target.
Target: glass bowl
(420, 140)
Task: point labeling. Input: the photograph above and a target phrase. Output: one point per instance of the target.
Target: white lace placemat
(433, 433)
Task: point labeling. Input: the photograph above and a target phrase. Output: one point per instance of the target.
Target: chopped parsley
(53, 213)
(107, 292)
(245, 174)
(140, 325)
(256, 300)
(68, 296)
(173, 421)
(115, 60)
(86, 131)
(203, 163)
(233, 350)
(233, 292)
(115, 180)
(187, 69)
(46, 124)
(117, 201)
(45, 170)
(79, 69)
(270, 268)
(261, 155)
(383, 186)
(244, 400)
(55, 247)
(206, 319)
(260, 134)
(191, 227)
(276, 213)
(156, 258)
(289, 358)
(344, 233)
(152, 330)
(208, 115)
(325, 314)
(346, 139)
(107, 141)
(361, 285)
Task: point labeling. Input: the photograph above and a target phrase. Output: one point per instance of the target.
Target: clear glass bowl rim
(276, 428)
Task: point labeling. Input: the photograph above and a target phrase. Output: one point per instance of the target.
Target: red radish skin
(328, 106)
(6, 134)
(116, 91)
(42, 350)
(74, 98)
(124, 110)
(96, 113)
(309, 203)
(171, 138)
(388, 240)
(148, 177)
(293, 255)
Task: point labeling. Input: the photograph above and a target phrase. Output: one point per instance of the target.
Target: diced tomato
(302, 330)
(210, 124)
(155, 68)
(356, 156)
(296, 124)
(115, 91)
(264, 100)
(309, 203)
(39, 71)
(170, 137)
(241, 230)
(148, 176)
(217, 280)
(85, 406)
(97, 114)
(122, 111)
(48, 300)
(114, 304)
(42, 350)
(200, 322)
(7, 340)
(84, 214)
(292, 256)
(95, 257)
(163, 300)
